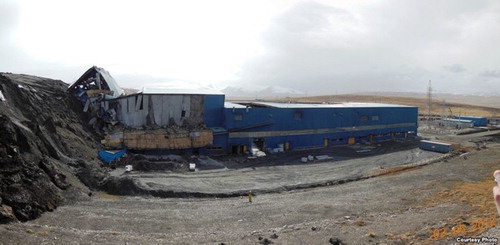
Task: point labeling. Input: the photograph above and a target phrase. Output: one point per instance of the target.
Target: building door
(259, 143)
(325, 142)
(351, 141)
(234, 149)
(287, 146)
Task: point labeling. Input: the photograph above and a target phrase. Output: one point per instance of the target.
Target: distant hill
(437, 105)
(479, 100)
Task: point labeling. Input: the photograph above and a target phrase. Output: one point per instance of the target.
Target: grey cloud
(390, 46)
(490, 74)
(12, 55)
(306, 18)
(387, 45)
(455, 68)
(15, 59)
(9, 12)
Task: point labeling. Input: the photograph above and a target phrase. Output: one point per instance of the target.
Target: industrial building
(476, 121)
(202, 122)
(287, 126)
(456, 123)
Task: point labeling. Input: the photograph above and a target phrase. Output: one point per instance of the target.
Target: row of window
(367, 118)
(298, 116)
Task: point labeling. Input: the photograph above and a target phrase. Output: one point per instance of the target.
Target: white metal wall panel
(163, 109)
(157, 109)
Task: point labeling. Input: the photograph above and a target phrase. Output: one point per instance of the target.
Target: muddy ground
(422, 205)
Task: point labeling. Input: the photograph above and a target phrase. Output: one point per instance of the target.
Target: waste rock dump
(46, 153)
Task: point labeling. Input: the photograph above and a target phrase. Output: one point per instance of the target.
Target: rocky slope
(45, 150)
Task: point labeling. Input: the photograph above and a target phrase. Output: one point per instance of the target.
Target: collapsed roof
(96, 78)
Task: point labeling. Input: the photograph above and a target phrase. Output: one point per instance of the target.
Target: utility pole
(429, 101)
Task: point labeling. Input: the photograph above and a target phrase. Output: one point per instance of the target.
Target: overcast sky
(320, 47)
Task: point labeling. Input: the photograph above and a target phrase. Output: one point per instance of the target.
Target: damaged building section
(93, 87)
(159, 108)
(155, 119)
(151, 119)
(95, 81)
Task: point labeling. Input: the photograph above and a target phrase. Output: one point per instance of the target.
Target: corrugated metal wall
(310, 127)
(214, 110)
(478, 121)
(161, 110)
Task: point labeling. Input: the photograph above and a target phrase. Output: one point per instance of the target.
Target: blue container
(109, 156)
(435, 146)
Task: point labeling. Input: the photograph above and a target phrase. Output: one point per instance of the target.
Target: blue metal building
(478, 121)
(299, 126)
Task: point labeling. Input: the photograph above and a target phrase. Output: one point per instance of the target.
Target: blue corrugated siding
(435, 146)
(300, 122)
(214, 110)
(283, 118)
(478, 121)
(220, 140)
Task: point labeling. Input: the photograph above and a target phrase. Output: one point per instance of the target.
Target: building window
(183, 113)
(375, 118)
(297, 115)
(238, 117)
(364, 118)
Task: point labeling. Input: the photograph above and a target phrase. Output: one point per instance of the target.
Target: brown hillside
(421, 103)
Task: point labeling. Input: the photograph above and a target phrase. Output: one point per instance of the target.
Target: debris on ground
(209, 163)
(266, 241)
(147, 164)
(335, 241)
(108, 155)
(323, 157)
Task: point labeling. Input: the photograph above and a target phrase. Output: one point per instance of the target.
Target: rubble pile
(44, 148)
(141, 163)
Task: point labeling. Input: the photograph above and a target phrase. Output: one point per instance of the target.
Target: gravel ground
(388, 209)
(277, 178)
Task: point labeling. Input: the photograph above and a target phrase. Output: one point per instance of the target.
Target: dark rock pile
(45, 149)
